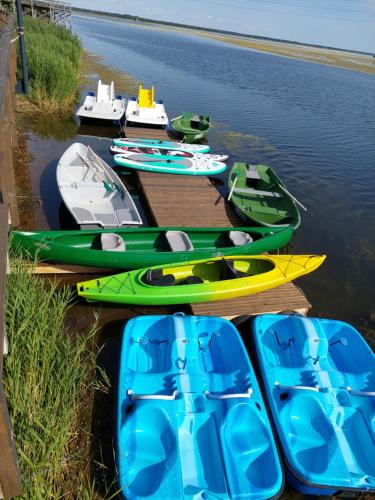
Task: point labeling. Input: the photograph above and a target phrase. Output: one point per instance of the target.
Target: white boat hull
(104, 106)
(92, 191)
(155, 115)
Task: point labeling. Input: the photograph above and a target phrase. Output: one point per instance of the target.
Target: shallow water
(312, 123)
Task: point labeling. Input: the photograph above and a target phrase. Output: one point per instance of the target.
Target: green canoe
(259, 195)
(192, 127)
(127, 248)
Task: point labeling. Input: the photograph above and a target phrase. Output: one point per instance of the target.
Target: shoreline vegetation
(54, 60)
(341, 58)
(49, 374)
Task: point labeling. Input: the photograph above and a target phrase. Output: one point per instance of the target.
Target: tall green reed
(54, 55)
(47, 375)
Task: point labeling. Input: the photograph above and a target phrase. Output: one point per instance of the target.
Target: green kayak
(205, 280)
(127, 248)
(193, 127)
(259, 195)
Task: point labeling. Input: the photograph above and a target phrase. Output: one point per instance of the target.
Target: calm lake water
(312, 123)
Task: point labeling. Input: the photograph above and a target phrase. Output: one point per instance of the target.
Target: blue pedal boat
(191, 422)
(319, 379)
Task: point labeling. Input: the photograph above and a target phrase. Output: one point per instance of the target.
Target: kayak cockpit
(206, 272)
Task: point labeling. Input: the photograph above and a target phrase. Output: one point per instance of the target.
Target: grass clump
(54, 55)
(47, 378)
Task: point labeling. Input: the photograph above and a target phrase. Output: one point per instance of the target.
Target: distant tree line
(212, 30)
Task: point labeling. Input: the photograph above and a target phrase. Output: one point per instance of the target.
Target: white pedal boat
(145, 110)
(145, 143)
(92, 191)
(104, 106)
(170, 164)
(128, 151)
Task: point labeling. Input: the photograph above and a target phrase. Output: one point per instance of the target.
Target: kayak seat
(179, 241)
(155, 277)
(228, 272)
(192, 280)
(112, 242)
(239, 238)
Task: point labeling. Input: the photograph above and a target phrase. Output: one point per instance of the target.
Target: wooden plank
(148, 133)
(285, 297)
(182, 200)
(48, 268)
(178, 200)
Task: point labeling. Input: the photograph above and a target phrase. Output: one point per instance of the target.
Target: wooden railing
(10, 485)
(53, 10)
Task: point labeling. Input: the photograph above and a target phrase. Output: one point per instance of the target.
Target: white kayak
(128, 151)
(181, 146)
(92, 191)
(170, 164)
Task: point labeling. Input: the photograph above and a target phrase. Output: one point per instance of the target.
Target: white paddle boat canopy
(105, 105)
(145, 110)
(92, 191)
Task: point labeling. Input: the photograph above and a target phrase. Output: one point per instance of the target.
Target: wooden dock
(52, 10)
(181, 200)
(178, 200)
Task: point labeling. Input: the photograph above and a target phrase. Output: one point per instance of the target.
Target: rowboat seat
(179, 241)
(239, 238)
(112, 242)
(124, 215)
(251, 172)
(81, 214)
(106, 219)
(258, 192)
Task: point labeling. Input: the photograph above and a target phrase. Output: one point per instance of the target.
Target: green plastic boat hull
(259, 196)
(143, 246)
(194, 128)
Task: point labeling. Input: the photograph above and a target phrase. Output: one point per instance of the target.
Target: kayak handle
(133, 396)
(247, 394)
(298, 387)
(360, 393)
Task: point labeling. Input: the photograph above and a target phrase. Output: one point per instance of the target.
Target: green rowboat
(193, 127)
(259, 195)
(127, 248)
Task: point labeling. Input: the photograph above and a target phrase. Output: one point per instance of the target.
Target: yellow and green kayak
(200, 280)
